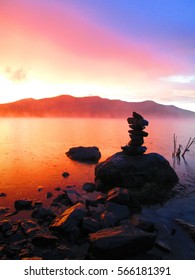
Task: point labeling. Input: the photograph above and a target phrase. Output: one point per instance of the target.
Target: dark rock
(120, 211)
(119, 195)
(43, 214)
(73, 196)
(88, 187)
(4, 210)
(38, 204)
(108, 219)
(146, 176)
(101, 198)
(65, 174)
(147, 226)
(70, 218)
(84, 154)
(3, 194)
(49, 195)
(62, 198)
(187, 227)
(120, 242)
(58, 189)
(40, 188)
(23, 204)
(90, 225)
(5, 225)
(44, 240)
(162, 246)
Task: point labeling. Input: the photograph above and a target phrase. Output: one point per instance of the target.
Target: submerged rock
(144, 175)
(84, 154)
(88, 187)
(120, 242)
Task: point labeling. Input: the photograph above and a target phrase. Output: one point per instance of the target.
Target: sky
(132, 50)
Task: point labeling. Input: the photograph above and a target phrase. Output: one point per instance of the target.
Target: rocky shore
(100, 219)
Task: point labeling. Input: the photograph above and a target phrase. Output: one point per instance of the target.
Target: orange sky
(50, 48)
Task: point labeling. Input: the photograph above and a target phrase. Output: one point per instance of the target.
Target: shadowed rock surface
(149, 172)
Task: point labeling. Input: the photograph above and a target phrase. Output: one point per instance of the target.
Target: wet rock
(49, 195)
(38, 204)
(58, 189)
(120, 242)
(44, 240)
(65, 174)
(5, 225)
(63, 199)
(84, 154)
(43, 214)
(101, 198)
(187, 227)
(3, 194)
(88, 187)
(73, 196)
(23, 204)
(40, 188)
(108, 219)
(70, 218)
(90, 225)
(32, 258)
(4, 210)
(119, 211)
(147, 176)
(119, 195)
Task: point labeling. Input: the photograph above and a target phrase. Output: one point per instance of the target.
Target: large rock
(84, 154)
(144, 175)
(120, 242)
(69, 219)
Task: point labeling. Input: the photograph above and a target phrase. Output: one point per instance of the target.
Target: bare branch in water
(188, 145)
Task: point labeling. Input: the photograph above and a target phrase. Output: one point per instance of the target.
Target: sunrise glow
(124, 50)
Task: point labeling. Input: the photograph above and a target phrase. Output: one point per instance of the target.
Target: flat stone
(120, 242)
(5, 225)
(70, 218)
(43, 213)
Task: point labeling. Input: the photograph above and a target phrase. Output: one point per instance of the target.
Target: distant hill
(69, 106)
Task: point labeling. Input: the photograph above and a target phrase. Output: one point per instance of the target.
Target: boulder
(90, 225)
(120, 242)
(147, 176)
(84, 154)
(70, 218)
(119, 195)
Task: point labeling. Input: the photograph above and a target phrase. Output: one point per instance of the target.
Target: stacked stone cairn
(137, 124)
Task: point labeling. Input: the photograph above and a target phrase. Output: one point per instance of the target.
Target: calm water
(33, 154)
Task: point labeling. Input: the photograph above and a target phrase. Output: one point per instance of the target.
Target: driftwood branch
(190, 142)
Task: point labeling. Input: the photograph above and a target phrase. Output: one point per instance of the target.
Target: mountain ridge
(89, 106)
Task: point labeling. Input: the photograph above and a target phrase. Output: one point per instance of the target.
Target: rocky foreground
(79, 225)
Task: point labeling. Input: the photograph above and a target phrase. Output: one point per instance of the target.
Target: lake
(33, 155)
